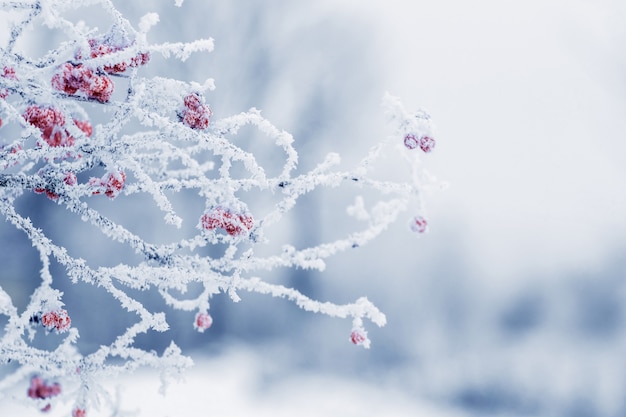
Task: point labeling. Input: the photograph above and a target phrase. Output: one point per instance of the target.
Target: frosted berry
(411, 141)
(56, 320)
(427, 143)
(359, 337)
(233, 224)
(419, 224)
(57, 136)
(195, 113)
(110, 184)
(40, 389)
(100, 87)
(79, 412)
(70, 178)
(85, 126)
(203, 321)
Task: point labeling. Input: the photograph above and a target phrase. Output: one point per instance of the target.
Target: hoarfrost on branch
(159, 139)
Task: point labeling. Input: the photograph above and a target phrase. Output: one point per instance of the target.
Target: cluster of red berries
(111, 184)
(195, 113)
(71, 78)
(9, 73)
(100, 48)
(56, 320)
(94, 84)
(425, 143)
(40, 389)
(51, 122)
(222, 218)
(203, 321)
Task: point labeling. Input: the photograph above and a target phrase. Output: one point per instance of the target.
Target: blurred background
(512, 304)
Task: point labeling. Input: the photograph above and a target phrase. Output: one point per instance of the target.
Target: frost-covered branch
(159, 139)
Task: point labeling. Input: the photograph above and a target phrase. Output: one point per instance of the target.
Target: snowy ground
(241, 383)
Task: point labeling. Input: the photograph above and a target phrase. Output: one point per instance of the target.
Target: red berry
(100, 87)
(85, 126)
(79, 412)
(203, 321)
(427, 143)
(114, 184)
(39, 389)
(410, 141)
(419, 224)
(111, 184)
(70, 178)
(358, 337)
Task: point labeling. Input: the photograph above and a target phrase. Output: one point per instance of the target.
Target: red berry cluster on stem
(51, 122)
(57, 320)
(195, 113)
(221, 218)
(40, 389)
(101, 47)
(72, 78)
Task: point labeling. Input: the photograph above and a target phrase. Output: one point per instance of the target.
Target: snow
(243, 382)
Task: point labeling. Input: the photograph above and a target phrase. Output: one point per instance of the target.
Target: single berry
(85, 126)
(79, 412)
(427, 143)
(203, 321)
(70, 178)
(359, 337)
(419, 224)
(411, 141)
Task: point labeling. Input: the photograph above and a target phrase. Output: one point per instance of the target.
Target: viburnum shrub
(93, 125)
